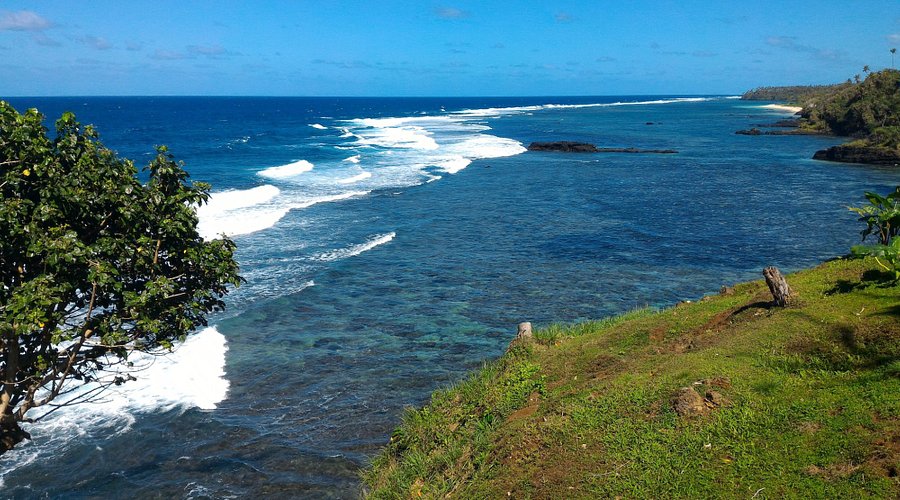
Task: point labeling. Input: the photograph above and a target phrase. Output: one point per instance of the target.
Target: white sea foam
(356, 178)
(284, 171)
(318, 126)
(238, 212)
(353, 250)
(353, 159)
(192, 376)
(454, 164)
(493, 112)
(406, 137)
(246, 211)
(325, 199)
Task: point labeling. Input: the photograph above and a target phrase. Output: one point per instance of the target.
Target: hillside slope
(796, 402)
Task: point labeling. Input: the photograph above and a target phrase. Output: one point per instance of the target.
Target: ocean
(392, 245)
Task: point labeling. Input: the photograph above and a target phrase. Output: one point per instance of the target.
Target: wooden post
(781, 291)
(524, 331)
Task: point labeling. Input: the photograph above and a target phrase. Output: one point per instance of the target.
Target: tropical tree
(866, 69)
(882, 218)
(94, 265)
(893, 51)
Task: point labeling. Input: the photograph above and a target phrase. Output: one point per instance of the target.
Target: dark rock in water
(794, 123)
(756, 131)
(563, 146)
(871, 155)
(649, 123)
(584, 147)
(636, 150)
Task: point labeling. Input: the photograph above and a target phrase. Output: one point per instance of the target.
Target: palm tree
(856, 77)
(893, 51)
(866, 69)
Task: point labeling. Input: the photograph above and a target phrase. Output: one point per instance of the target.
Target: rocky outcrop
(860, 154)
(799, 131)
(688, 403)
(563, 147)
(585, 147)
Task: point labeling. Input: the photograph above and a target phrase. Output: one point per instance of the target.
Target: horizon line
(570, 96)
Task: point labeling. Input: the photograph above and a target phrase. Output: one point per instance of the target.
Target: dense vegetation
(795, 94)
(798, 402)
(869, 109)
(94, 264)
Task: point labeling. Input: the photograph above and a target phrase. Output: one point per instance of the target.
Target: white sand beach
(782, 107)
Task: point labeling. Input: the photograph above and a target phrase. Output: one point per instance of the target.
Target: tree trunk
(524, 330)
(781, 291)
(10, 433)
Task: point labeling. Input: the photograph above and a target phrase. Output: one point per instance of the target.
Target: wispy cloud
(95, 42)
(168, 55)
(605, 59)
(134, 46)
(23, 20)
(451, 13)
(704, 53)
(343, 64)
(893, 38)
(791, 43)
(44, 40)
(563, 17)
(210, 51)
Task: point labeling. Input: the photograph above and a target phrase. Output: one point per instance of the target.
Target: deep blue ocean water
(391, 245)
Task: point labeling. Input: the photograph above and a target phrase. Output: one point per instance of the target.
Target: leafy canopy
(882, 218)
(94, 264)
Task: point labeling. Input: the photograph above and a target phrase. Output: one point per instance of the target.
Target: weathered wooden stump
(524, 331)
(781, 291)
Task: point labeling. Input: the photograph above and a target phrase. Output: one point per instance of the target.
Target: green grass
(812, 404)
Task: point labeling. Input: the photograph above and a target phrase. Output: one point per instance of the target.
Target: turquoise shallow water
(365, 295)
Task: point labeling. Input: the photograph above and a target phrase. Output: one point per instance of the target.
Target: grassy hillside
(801, 402)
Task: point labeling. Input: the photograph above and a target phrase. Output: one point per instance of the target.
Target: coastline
(712, 398)
(782, 107)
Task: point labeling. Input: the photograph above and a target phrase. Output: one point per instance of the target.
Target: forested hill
(868, 110)
(794, 94)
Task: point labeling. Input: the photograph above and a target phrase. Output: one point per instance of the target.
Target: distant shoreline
(783, 107)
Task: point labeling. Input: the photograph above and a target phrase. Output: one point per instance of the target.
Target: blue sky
(425, 48)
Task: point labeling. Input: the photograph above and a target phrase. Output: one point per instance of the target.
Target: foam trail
(353, 250)
(355, 178)
(491, 112)
(238, 212)
(318, 126)
(193, 376)
(284, 171)
(353, 159)
(326, 199)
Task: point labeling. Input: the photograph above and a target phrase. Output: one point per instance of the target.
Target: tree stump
(781, 291)
(524, 331)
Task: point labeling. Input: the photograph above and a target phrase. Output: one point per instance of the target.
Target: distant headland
(868, 111)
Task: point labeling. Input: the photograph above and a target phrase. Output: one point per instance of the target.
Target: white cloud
(46, 41)
(95, 42)
(167, 55)
(893, 38)
(23, 20)
(451, 13)
(790, 43)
